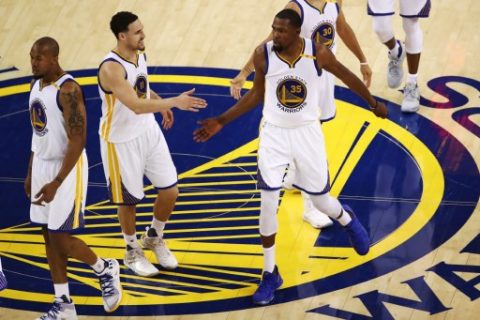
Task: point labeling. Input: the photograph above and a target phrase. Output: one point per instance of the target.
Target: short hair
(49, 44)
(292, 16)
(120, 22)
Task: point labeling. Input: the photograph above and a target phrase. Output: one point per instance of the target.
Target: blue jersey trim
(301, 9)
(315, 62)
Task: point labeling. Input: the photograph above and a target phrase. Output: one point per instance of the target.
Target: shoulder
(294, 6)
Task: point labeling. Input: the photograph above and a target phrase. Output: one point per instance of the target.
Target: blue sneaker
(357, 234)
(3, 281)
(265, 293)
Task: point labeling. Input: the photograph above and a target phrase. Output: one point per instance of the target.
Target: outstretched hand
(187, 102)
(380, 110)
(209, 128)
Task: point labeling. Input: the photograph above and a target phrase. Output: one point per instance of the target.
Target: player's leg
(123, 167)
(411, 11)
(382, 12)
(161, 171)
(273, 158)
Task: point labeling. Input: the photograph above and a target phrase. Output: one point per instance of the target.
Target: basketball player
(410, 11)
(287, 71)
(132, 144)
(321, 21)
(58, 176)
(3, 279)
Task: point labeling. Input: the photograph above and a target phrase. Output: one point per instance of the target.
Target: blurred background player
(321, 21)
(410, 11)
(133, 145)
(58, 176)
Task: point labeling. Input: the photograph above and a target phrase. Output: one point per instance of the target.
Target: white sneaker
(135, 260)
(395, 68)
(110, 284)
(317, 219)
(164, 256)
(411, 98)
(62, 309)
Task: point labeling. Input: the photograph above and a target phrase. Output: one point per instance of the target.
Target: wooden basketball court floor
(413, 179)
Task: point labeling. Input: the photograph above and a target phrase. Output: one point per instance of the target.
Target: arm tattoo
(76, 120)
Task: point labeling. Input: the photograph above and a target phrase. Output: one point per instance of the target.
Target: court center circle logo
(214, 228)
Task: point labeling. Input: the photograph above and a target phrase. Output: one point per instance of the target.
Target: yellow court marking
(295, 239)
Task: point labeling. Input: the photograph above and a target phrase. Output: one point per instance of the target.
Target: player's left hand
(209, 128)
(167, 119)
(46, 193)
(380, 110)
(366, 74)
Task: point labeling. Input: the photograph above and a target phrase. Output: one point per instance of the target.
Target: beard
(277, 47)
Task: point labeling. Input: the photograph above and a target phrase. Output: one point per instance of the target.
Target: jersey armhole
(98, 74)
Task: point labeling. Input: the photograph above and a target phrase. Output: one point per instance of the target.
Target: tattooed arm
(74, 114)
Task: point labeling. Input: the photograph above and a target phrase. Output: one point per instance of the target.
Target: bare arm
(237, 83)
(327, 61)
(210, 127)
(348, 37)
(74, 114)
(112, 77)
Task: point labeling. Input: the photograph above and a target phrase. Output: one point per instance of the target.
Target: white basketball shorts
(408, 8)
(126, 163)
(304, 147)
(65, 212)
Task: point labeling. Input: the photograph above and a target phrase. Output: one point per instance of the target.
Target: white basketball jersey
(49, 139)
(291, 91)
(118, 122)
(320, 25)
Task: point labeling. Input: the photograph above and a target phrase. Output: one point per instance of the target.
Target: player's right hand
(209, 128)
(380, 110)
(236, 85)
(187, 102)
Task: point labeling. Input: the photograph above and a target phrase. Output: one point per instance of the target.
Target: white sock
(61, 289)
(412, 78)
(158, 226)
(307, 202)
(394, 52)
(99, 266)
(344, 218)
(131, 240)
(269, 259)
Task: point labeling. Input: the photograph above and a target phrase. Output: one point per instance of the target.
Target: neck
(295, 49)
(130, 55)
(53, 75)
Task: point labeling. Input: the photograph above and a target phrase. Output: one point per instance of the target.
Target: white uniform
(290, 131)
(408, 8)
(49, 144)
(321, 26)
(132, 145)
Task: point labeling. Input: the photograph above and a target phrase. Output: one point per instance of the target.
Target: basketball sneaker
(135, 260)
(270, 282)
(411, 98)
(3, 281)
(313, 216)
(62, 309)
(151, 240)
(357, 234)
(110, 284)
(395, 67)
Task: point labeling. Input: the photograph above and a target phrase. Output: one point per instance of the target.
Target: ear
(298, 30)
(122, 36)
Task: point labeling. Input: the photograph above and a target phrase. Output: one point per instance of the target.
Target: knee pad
(413, 35)
(327, 204)
(268, 212)
(382, 25)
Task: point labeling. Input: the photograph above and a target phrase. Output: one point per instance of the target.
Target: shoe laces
(54, 311)
(267, 283)
(410, 90)
(107, 284)
(134, 255)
